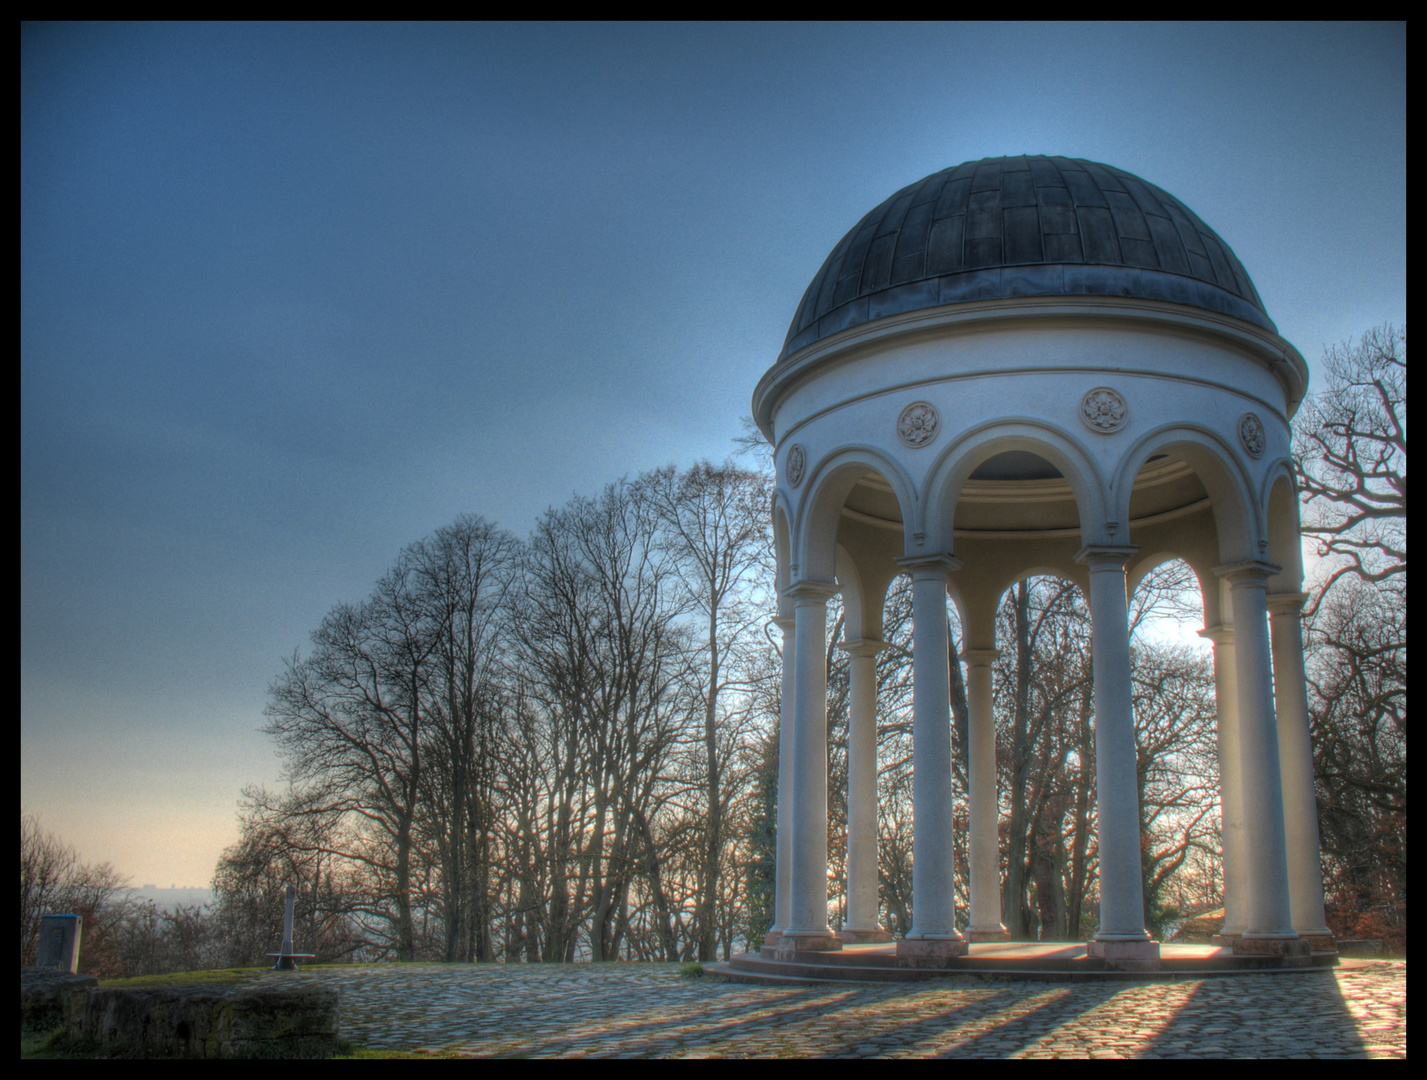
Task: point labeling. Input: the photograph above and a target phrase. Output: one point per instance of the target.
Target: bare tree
(351, 723)
(714, 521)
(600, 632)
(1351, 449)
(460, 578)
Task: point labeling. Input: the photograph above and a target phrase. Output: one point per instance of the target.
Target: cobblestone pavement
(648, 1010)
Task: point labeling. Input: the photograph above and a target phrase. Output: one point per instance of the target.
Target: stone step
(880, 966)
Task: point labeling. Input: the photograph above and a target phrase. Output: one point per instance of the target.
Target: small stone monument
(59, 942)
(287, 959)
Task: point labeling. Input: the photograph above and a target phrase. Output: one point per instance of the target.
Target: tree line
(565, 747)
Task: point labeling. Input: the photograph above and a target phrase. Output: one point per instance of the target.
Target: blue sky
(295, 296)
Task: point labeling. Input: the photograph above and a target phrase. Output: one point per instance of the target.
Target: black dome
(1023, 226)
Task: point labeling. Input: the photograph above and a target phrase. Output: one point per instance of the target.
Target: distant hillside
(170, 898)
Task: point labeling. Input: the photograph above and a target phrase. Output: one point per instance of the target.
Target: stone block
(291, 1021)
(988, 935)
(863, 937)
(929, 952)
(1126, 955)
(42, 994)
(1360, 947)
(1264, 946)
(793, 943)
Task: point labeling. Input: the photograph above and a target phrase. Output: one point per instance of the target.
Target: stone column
(862, 923)
(783, 867)
(1121, 940)
(985, 809)
(933, 937)
(1270, 923)
(1231, 784)
(1295, 757)
(807, 926)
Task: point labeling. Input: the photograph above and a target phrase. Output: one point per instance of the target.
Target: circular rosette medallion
(1251, 434)
(795, 464)
(918, 423)
(1104, 410)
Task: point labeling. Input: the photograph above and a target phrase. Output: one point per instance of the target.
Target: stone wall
(207, 1022)
(42, 994)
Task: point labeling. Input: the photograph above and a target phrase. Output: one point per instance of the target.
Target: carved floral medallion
(1104, 410)
(1251, 434)
(795, 464)
(918, 423)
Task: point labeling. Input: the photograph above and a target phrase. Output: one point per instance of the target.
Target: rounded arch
(1147, 562)
(782, 553)
(1285, 536)
(1205, 582)
(961, 458)
(1238, 524)
(827, 488)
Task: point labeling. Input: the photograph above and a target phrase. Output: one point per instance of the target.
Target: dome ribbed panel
(1022, 226)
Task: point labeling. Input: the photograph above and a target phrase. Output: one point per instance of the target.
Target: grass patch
(57, 1045)
(692, 970)
(54, 1045)
(217, 977)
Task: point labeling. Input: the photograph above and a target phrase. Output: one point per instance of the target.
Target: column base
(1142, 955)
(794, 941)
(929, 952)
(994, 934)
(1294, 948)
(863, 937)
(1321, 942)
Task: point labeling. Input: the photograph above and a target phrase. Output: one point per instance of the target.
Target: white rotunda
(1030, 365)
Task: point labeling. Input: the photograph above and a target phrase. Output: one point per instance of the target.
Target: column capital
(1250, 572)
(980, 657)
(1287, 603)
(785, 623)
(811, 592)
(917, 565)
(862, 647)
(1101, 556)
(1219, 633)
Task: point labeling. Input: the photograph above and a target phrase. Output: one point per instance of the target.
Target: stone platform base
(1322, 943)
(929, 952)
(988, 935)
(1290, 952)
(1126, 955)
(789, 945)
(863, 937)
(1045, 960)
(1225, 941)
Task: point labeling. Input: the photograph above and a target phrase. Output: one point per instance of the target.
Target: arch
(828, 485)
(1207, 584)
(854, 598)
(782, 554)
(1285, 538)
(1238, 523)
(979, 444)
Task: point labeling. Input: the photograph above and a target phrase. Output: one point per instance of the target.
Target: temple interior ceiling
(1021, 492)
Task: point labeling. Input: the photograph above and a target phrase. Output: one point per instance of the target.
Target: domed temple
(1029, 365)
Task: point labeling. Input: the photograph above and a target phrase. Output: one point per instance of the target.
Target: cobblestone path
(648, 1010)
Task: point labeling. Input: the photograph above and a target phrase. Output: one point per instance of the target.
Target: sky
(293, 297)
